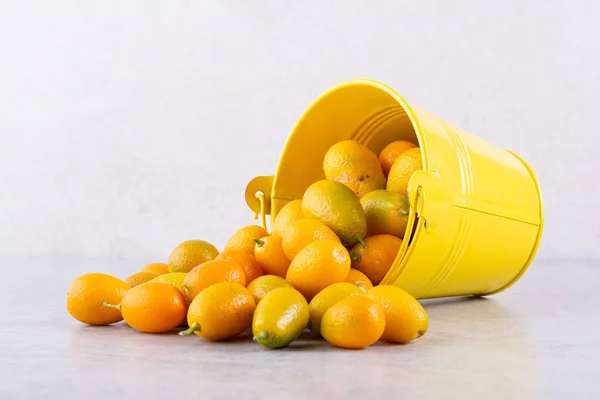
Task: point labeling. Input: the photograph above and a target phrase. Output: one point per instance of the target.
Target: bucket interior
(365, 111)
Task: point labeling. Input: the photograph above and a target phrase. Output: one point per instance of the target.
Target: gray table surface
(537, 340)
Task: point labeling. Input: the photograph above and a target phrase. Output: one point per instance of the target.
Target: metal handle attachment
(425, 194)
(263, 217)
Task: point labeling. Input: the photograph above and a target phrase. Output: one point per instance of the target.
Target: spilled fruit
(403, 169)
(212, 272)
(174, 278)
(221, 311)
(386, 212)
(86, 294)
(337, 207)
(140, 277)
(157, 268)
(280, 318)
(303, 232)
(264, 284)
(288, 214)
(327, 298)
(359, 279)
(243, 239)
(249, 264)
(355, 166)
(376, 256)
(317, 266)
(406, 320)
(270, 255)
(353, 323)
(190, 254)
(315, 269)
(152, 307)
(391, 152)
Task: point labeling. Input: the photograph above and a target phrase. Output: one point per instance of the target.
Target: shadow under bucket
(476, 215)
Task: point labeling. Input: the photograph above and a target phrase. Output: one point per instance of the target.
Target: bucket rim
(408, 109)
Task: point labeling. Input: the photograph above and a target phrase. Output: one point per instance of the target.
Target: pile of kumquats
(320, 268)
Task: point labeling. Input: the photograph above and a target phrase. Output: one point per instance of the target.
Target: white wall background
(127, 127)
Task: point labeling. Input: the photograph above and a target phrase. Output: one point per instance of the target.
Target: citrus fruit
(402, 169)
(337, 207)
(264, 284)
(174, 278)
(288, 214)
(140, 277)
(86, 294)
(353, 323)
(405, 318)
(221, 311)
(391, 152)
(270, 255)
(303, 232)
(328, 297)
(280, 317)
(386, 212)
(251, 267)
(359, 279)
(243, 239)
(377, 257)
(355, 166)
(158, 268)
(190, 254)
(212, 272)
(152, 307)
(318, 265)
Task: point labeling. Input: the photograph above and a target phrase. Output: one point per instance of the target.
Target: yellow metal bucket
(476, 213)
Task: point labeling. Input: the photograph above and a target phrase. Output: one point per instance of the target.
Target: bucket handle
(258, 197)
